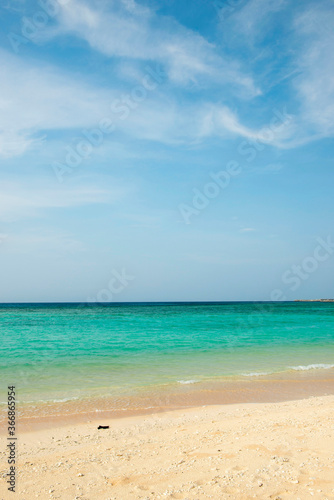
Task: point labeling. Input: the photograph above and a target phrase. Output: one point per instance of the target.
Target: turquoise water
(58, 351)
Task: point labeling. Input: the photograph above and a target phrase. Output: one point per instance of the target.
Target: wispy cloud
(315, 85)
(35, 99)
(134, 36)
(20, 200)
(127, 30)
(297, 58)
(58, 102)
(255, 18)
(210, 110)
(220, 120)
(45, 240)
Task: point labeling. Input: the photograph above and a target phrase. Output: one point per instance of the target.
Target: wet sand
(271, 388)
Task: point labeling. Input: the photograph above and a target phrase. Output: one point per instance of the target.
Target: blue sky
(186, 147)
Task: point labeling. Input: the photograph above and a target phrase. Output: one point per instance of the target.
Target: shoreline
(273, 388)
(263, 450)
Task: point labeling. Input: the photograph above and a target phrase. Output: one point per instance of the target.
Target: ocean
(74, 352)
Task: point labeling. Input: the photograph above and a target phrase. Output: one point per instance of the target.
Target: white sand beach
(261, 450)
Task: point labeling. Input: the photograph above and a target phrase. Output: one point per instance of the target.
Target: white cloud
(35, 99)
(221, 120)
(19, 200)
(58, 101)
(254, 19)
(303, 51)
(44, 240)
(15, 142)
(129, 31)
(315, 85)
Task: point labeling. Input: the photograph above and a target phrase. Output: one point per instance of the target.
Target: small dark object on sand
(103, 427)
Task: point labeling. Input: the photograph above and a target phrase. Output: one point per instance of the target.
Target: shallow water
(57, 352)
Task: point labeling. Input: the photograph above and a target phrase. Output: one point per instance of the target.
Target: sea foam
(317, 366)
(187, 381)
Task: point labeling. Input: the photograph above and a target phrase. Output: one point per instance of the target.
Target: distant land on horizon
(314, 300)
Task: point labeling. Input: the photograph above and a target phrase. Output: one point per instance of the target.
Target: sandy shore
(266, 450)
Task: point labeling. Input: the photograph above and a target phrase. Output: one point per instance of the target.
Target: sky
(166, 150)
